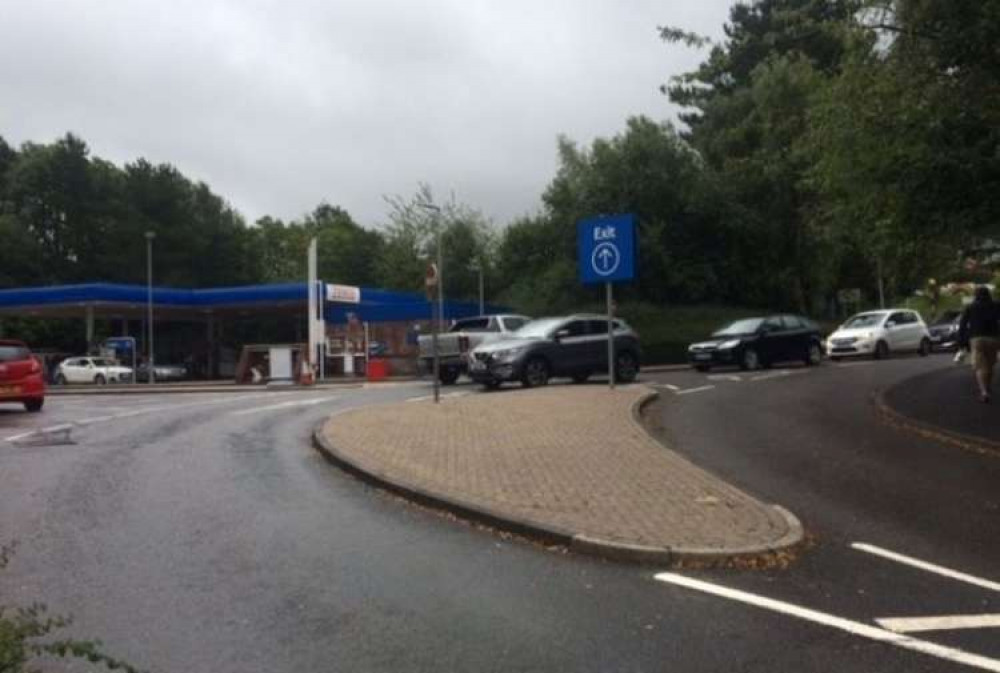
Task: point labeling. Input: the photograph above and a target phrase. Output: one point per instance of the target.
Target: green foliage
(410, 243)
(25, 636)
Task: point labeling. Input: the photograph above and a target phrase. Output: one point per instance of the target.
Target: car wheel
(100, 380)
(626, 367)
(536, 373)
(881, 350)
(581, 377)
(60, 380)
(814, 355)
(750, 360)
(925, 348)
(491, 385)
(448, 375)
(34, 405)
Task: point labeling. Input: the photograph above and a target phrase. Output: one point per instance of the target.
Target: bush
(22, 630)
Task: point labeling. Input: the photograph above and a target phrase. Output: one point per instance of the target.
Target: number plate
(10, 390)
(702, 356)
(477, 366)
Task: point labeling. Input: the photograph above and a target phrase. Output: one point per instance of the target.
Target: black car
(760, 342)
(944, 331)
(574, 346)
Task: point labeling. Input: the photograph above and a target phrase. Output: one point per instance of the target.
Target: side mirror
(561, 334)
(890, 324)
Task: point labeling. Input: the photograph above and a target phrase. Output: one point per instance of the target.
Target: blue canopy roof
(376, 305)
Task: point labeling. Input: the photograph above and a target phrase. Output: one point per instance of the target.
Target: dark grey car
(574, 346)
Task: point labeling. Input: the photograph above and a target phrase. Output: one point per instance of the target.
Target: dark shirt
(979, 319)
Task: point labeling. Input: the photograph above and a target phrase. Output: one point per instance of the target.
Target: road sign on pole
(606, 248)
(607, 251)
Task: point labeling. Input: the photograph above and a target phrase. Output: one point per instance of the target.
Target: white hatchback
(92, 370)
(879, 333)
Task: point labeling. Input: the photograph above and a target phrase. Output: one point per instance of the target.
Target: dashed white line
(929, 567)
(939, 623)
(136, 412)
(670, 386)
(771, 375)
(700, 389)
(285, 405)
(854, 628)
(725, 377)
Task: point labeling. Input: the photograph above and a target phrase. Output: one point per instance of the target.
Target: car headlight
(729, 343)
(507, 353)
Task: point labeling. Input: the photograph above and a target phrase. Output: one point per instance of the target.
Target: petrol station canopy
(114, 301)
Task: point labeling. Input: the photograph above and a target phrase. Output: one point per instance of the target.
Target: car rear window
(474, 325)
(10, 353)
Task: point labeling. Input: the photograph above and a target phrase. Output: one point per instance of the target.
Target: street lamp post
(482, 288)
(439, 317)
(150, 235)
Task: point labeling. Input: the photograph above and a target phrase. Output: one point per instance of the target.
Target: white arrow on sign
(605, 259)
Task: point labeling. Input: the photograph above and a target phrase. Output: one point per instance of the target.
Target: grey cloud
(280, 105)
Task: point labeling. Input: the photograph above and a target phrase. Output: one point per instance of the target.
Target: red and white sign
(345, 294)
(431, 277)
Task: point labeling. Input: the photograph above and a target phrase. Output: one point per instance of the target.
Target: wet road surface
(203, 533)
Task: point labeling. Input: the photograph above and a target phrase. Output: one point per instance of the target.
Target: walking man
(979, 331)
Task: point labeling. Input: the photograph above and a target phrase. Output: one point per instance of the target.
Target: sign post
(433, 283)
(606, 254)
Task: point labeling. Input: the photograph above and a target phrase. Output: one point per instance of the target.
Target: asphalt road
(202, 533)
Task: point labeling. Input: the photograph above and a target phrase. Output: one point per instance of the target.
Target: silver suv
(575, 346)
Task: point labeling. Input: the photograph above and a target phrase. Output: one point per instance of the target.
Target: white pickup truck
(464, 335)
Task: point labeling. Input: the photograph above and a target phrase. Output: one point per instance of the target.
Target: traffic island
(569, 465)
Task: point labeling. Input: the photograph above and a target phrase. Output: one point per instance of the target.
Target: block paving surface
(568, 458)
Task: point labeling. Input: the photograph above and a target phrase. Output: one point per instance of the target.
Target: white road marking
(285, 405)
(862, 363)
(670, 386)
(724, 377)
(771, 375)
(137, 412)
(929, 567)
(95, 419)
(425, 398)
(939, 623)
(854, 628)
(40, 431)
(688, 391)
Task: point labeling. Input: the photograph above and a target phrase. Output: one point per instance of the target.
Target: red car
(21, 376)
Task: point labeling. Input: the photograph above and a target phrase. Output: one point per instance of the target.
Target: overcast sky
(279, 106)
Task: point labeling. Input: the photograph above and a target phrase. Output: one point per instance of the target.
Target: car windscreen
(747, 326)
(864, 320)
(538, 328)
(13, 353)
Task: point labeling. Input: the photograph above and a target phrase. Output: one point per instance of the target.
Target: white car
(92, 370)
(879, 333)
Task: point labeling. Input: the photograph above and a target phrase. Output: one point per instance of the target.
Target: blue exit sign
(607, 248)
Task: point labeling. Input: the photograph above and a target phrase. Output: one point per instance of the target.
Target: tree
(747, 115)
(410, 243)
